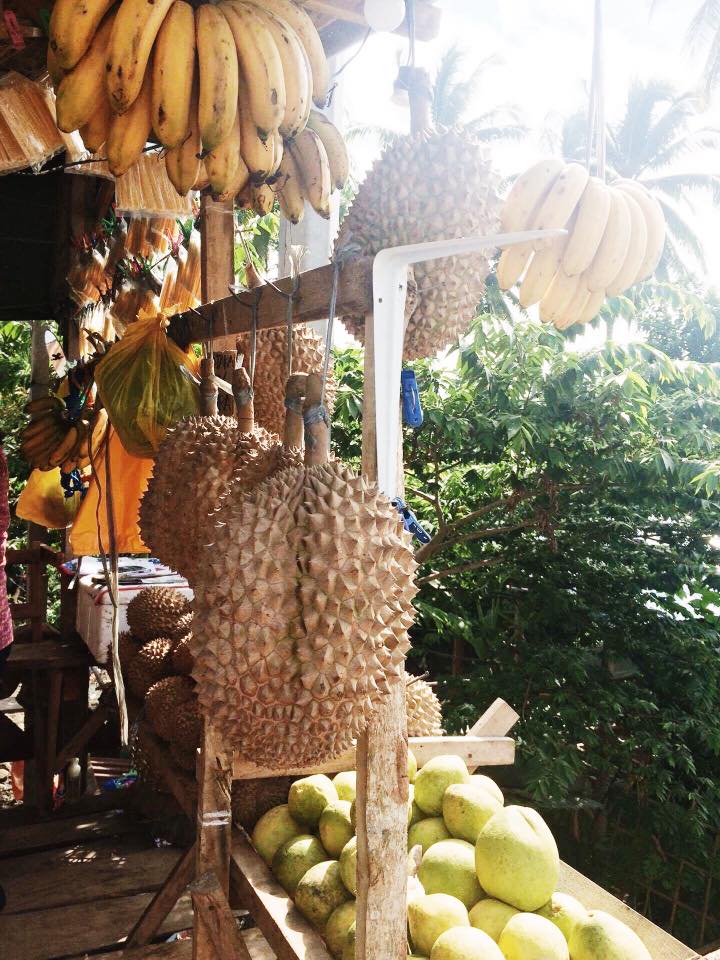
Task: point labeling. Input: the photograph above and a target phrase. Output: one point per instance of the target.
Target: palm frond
(677, 184)
(680, 232)
(669, 126)
(631, 133)
(488, 134)
(705, 139)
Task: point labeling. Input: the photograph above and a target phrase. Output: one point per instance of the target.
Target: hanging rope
(329, 333)
(596, 132)
(253, 336)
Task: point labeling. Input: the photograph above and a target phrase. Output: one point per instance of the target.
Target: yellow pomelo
(338, 927)
(321, 891)
(449, 867)
(465, 943)
(516, 858)
(433, 780)
(480, 780)
(432, 915)
(309, 797)
(598, 936)
(349, 946)
(490, 916)
(335, 826)
(427, 832)
(564, 911)
(272, 830)
(344, 783)
(294, 858)
(529, 937)
(466, 808)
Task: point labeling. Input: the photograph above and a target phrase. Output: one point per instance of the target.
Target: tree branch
(460, 568)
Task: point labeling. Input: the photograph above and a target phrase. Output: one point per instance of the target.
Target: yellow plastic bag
(128, 482)
(142, 386)
(43, 501)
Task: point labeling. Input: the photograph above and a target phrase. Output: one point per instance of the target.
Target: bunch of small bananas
(615, 238)
(51, 440)
(227, 88)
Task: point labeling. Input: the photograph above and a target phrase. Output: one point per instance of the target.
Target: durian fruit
(301, 618)
(432, 185)
(197, 463)
(271, 362)
(182, 658)
(163, 702)
(128, 648)
(250, 799)
(424, 713)
(150, 664)
(159, 612)
(185, 757)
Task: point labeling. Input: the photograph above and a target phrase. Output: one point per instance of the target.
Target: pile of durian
(156, 663)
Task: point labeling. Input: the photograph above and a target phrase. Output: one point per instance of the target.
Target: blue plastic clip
(410, 521)
(412, 409)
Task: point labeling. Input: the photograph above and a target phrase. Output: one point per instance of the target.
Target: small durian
(158, 612)
(182, 658)
(162, 700)
(128, 648)
(150, 664)
(185, 757)
(424, 713)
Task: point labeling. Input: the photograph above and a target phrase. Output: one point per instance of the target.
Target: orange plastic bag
(142, 385)
(128, 481)
(43, 501)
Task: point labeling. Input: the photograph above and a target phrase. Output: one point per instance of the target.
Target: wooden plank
(210, 903)
(216, 249)
(228, 316)
(255, 942)
(164, 900)
(55, 684)
(69, 930)
(214, 815)
(75, 745)
(287, 932)
(498, 719)
(182, 785)
(48, 655)
(477, 751)
(81, 873)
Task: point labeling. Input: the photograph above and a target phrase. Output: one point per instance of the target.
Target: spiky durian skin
(164, 700)
(271, 370)
(150, 664)
(185, 757)
(182, 658)
(128, 648)
(301, 621)
(429, 186)
(424, 713)
(158, 612)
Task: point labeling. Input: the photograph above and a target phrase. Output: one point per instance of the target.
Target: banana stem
(243, 394)
(416, 81)
(317, 428)
(294, 397)
(208, 388)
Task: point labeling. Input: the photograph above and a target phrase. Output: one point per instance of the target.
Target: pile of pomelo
(485, 887)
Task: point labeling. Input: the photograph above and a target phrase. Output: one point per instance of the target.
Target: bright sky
(544, 62)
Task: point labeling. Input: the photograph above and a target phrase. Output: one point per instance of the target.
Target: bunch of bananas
(616, 235)
(227, 88)
(51, 440)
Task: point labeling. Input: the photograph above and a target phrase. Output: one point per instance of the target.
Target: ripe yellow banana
(83, 88)
(628, 272)
(655, 220)
(335, 146)
(613, 246)
(202, 178)
(173, 73)
(182, 163)
(306, 30)
(592, 216)
(260, 63)
(65, 448)
(289, 190)
(528, 192)
(591, 307)
(95, 132)
(129, 131)
(512, 262)
(543, 267)
(73, 24)
(263, 198)
(136, 25)
(257, 152)
(222, 162)
(312, 162)
(576, 306)
(296, 73)
(55, 71)
(218, 75)
(559, 205)
(238, 183)
(559, 296)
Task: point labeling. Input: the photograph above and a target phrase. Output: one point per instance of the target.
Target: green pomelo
(335, 826)
(449, 867)
(529, 937)
(348, 865)
(309, 797)
(598, 936)
(490, 916)
(516, 858)
(344, 783)
(431, 915)
(434, 779)
(414, 889)
(564, 911)
(480, 780)
(272, 830)
(427, 832)
(466, 808)
(294, 858)
(338, 926)
(320, 891)
(412, 767)
(465, 943)
(349, 945)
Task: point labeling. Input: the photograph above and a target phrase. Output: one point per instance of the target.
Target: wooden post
(164, 900)
(382, 781)
(210, 902)
(217, 252)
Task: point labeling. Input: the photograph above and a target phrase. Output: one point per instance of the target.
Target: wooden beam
(182, 786)
(164, 900)
(211, 905)
(498, 719)
(75, 745)
(281, 923)
(230, 316)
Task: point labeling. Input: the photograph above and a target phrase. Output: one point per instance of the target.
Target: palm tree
(704, 32)
(657, 130)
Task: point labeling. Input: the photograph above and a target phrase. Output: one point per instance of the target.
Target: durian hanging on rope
(158, 612)
(303, 612)
(422, 708)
